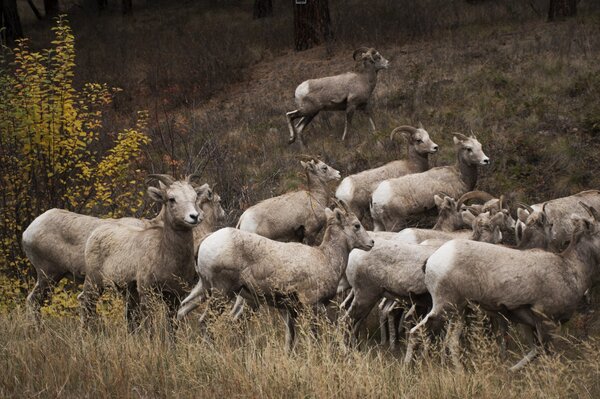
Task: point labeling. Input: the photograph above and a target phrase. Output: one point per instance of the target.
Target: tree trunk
(127, 7)
(312, 23)
(51, 8)
(102, 4)
(37, 13)
(559, 9)
(10, 21)
(263, 8)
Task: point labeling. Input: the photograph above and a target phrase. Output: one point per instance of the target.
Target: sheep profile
(288, 276)
(395, 199)
(297, 215)
(346, 92)
(356, 189)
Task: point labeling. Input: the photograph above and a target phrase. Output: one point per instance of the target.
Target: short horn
(403, 128)
(460, 136)
(525, 206)
(480, 195)
(190, 178)
(163, 178)
(501, 204)
(359, 50)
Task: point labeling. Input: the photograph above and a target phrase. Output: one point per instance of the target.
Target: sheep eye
(172, 200)
(357, 226)
(420, 141)
(324, 168)
(469, 149)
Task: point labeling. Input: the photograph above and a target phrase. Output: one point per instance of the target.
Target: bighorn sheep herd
(297, 251)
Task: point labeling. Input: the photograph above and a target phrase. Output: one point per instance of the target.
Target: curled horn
(480, 195)
(344, 206)
(525, 206)
(306, 157)
(359, 50)
(593, 212)
(165, 179)
(403, 128)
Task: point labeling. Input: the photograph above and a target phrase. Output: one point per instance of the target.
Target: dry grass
(248, 360)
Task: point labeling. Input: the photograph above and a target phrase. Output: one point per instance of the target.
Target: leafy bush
(53, 149)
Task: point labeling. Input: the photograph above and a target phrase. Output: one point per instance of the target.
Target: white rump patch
(408, 236)
(248, 222)
(441, 262)
(345, 190)
(383, 193)
(214, 247)
(301, 90)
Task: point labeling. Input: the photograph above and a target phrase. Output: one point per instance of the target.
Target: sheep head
(352, 230)
(179, 200)
(586, 233)
(486, 227)
(418, 138)
(469, 150)
(370, 58)
(449, 217)
(534, 228)
(320, 170)
(210, 204)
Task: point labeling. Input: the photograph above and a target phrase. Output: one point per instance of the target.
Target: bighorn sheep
(395, 199)
(55, 244)
(138, 260)
(557, 211)
(285, 275)
(346, 92)
(296, 215)
(532, 287)
(393, 269)
(356, 189)
(209, 203)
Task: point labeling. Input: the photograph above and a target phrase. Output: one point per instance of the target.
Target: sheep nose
(194, 217)
(486, 161)
(435, 148)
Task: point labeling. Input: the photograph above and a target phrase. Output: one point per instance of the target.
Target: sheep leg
(132, 304)
(531, 320)
(359, 310)
(393, 324)
(291, 116)
(532, 354)
(238, 308)
(455, 329)
(87, 301)
(172, 301)
(290, 333)
(39, 293)
(369, 113)
(425, 324)
(348, 301)
(193, 300)
(349, 115)
(384, 311)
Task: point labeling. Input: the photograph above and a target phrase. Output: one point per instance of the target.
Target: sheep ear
(497, 234)
(522, 214)
(421, 125)
(438, 200)
(339, 215)
(308, 165)
(203, 190)
(498, 217)
(468, 217)
(156, 194)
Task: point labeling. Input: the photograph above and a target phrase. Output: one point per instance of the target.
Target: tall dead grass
(248, 360)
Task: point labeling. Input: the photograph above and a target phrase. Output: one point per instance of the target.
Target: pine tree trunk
(312, 24)
(10, 21)
(559, 9)
(263, 8)
(51, 8)
(127, 7)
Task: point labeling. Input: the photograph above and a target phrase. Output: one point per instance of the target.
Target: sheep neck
(416, 161)
(468, 173)
(318, 189)
(177, 245)
(335, 247)
(583, 257)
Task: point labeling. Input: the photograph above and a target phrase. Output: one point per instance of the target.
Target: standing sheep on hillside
(297, 215)
(139, 260)
(395, 199)
(356, 189)
(346, 92)
(288, 276)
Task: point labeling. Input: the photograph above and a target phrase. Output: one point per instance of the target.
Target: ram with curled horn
(356, 189)
(557, 212)
(347, 92)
